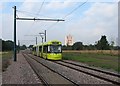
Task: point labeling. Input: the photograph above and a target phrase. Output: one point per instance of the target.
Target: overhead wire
(40, 7)
(24, 11)
(57, 21)
(68, 14)
(38, 12)
(17, 16)
(32, 14)
(74, 9)
(53, 25)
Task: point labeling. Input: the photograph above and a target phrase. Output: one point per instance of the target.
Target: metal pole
(15, 56)
(36, 40)
(45, 35)
(42, 40)
(18, 46)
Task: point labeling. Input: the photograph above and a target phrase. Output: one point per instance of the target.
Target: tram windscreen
(54, 49)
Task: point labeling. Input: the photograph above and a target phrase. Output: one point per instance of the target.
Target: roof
(51, 42)
(48, 43)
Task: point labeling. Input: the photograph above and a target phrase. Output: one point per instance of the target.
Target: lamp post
(41, 35)
(44, 35)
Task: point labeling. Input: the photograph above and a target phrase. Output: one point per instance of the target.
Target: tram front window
(54, 49)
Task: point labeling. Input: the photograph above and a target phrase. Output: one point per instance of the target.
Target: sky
(86, 23)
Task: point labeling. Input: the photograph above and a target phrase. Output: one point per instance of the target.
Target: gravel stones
(20, 72)
(78, 77)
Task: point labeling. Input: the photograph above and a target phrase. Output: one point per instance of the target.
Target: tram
(50, 50)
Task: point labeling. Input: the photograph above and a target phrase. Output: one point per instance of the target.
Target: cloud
(59, 5)
(1, 6)
(28, 7)
(1, 26)
(51, 9)
(7, 26)
(100, 19)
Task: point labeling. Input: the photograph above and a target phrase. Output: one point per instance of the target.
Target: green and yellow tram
(34, 50)
(50, 50)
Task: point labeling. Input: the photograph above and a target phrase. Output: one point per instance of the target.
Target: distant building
(68, 40)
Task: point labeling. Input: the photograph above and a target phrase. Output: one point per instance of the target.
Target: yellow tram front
(52, 50)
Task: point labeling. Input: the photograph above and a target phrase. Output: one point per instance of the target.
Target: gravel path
(19, 72)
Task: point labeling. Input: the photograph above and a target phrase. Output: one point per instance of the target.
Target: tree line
(9, 46)
(101, 44)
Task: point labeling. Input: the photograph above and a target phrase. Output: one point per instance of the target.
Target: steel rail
(39, 76)
(103, 78)
(98, 70)
(54, 71)
(108, 80)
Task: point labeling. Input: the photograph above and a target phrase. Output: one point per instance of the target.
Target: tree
(102, 44)
(0, 45)
(77, 46)
(112, 45)
(66, 47)
(91, 47)
(30, 46)
(7, 45)
(23, 47)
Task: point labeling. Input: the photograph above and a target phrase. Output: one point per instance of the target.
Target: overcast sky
(86, 23)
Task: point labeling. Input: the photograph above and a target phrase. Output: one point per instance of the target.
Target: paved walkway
(19, 72)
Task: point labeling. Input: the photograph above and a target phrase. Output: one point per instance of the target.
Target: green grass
(97, 60)
(6, 56)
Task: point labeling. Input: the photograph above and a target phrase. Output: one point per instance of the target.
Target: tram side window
(45, 49)
(35, 49)
(40, 48)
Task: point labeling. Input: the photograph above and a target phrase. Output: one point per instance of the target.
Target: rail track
(95, 69)
(45, 82)
(39, 76)
(104, 75)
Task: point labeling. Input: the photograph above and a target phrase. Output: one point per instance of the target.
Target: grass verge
(6, 56)
(97, 60)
